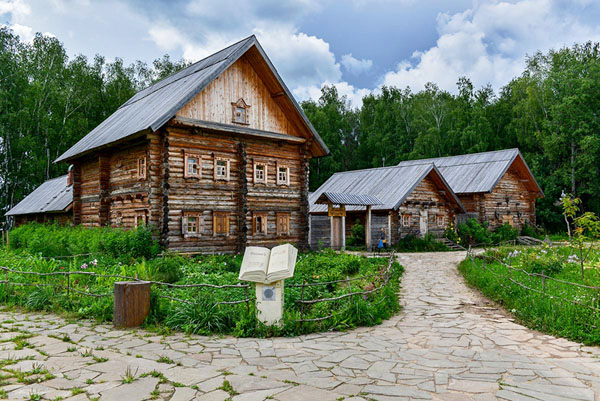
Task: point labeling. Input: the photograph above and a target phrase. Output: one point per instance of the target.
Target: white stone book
(262, 265)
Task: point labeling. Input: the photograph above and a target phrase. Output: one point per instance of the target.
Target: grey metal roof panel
(346, 198)
(472, 173)
(391, 185)
(152, 107)
(52, 196)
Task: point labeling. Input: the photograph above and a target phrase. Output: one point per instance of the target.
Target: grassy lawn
(553, 307)
(118, 252)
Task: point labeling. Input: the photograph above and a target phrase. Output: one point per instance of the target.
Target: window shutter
(184, 224)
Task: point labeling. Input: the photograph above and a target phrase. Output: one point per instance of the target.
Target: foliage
(357, 235)
(536, 308)
(472, 232)
(54, 240)
(531, 231)
(412, 243)
(549, 112)
(200, 311)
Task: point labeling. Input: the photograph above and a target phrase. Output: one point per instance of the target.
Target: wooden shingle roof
(151, 108)
(52, 196)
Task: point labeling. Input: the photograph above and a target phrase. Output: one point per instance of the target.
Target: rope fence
(385, 276)
(539, 280)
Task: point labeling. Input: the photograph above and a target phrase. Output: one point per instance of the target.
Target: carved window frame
(265, 170)
(286, 167)
(225, 216)
(140, 215)
(235, 118)
(283, 224)
(227, 175)
(440, 220)
(185, 224)
(405, 220)
(142, 168)
(263, 224)
(186, 157)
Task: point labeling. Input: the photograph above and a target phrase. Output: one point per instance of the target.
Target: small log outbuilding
(50, 202)
(413, 200)
(214, 156)
(495, 187)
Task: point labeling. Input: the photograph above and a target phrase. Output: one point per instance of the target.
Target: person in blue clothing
(382, 240)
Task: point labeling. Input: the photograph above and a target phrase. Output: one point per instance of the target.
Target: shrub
(357, 236)
(530, 231)
(412, 243)
(504, 233)
(472, 232)
(53, 240)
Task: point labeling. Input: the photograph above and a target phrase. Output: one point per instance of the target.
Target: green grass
(538, 310)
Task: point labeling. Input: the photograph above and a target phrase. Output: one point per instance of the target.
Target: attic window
(240, 112)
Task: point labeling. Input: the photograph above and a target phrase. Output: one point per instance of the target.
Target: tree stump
(132, 303)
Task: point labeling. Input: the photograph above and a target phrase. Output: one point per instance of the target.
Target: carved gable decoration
(240, 112)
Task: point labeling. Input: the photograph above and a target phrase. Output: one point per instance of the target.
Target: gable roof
(51, 197)
(347, 198)
(153, 107)
(391, 185)
(479, 172)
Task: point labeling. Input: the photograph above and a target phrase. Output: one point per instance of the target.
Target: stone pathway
(447, 344)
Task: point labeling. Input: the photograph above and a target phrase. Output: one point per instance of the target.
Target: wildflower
(513, 310)
(572, 259)
(94, 262)
(365, 297)
(84, 266)
(544, 251)
(62, 268)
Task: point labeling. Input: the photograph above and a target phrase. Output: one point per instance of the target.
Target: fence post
(349, 287)
(69, 283)
(543, 282)
(247, 299)
(302, 303)
(509, 269)
(6, 285)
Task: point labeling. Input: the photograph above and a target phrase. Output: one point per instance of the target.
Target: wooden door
(423, 222)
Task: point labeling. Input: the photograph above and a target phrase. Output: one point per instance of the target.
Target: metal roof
(390, 185)
(348, 199)
(151, 108)
(52, 196)
(477, 172)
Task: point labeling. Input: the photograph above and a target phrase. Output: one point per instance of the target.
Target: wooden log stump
(132, 303)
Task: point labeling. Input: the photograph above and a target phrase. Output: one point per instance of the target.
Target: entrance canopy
(347, 198)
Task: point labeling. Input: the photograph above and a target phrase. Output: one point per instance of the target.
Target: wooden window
(441, 221)
(283, 174)
(192, 167)
(406, 220)
(140, 218)
(141, 168)
(508, 219)
(222, 167)
(240, 112)
(283, 224)
(259, 223)
(220, 223)
(260, 173)
(191, 224)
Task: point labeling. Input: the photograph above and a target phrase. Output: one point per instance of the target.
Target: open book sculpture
(262, 265)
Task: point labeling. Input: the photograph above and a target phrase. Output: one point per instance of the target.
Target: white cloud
(17, 8)
(489, 42)
(354, 65)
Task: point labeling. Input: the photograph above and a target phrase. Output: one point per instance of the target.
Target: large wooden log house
(413, 200)
(495, 187)
(215, 157)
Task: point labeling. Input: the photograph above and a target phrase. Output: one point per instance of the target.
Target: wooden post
(302, 303)
(509, 267)
(344, 233)
(543, 282)
(368, 229)
(132, 303)
(247, 299)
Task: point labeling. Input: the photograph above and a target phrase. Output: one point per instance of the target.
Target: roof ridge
(185, 75)
(377, 168)
(463, 155)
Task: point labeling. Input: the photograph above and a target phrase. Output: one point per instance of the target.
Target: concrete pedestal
(269, 302)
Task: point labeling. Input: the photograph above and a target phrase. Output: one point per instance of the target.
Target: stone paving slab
(447, 344)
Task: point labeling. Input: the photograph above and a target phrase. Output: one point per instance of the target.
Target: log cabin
(495, 187)
(402, 200)
(49, 203)
(215, 157)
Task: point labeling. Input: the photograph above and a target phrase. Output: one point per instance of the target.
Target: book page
(254, 264)
(279, 263)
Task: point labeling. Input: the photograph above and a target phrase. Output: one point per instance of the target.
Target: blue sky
(357, 45)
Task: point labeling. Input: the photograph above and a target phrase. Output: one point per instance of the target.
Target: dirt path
(445, 345)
